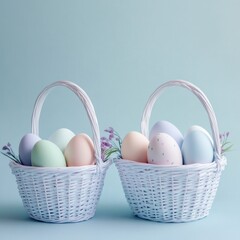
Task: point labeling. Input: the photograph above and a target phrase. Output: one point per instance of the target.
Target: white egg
(164, 150)
(61, 137)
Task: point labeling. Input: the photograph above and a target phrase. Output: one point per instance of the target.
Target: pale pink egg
(134, 147)
(164, 150)
(80, 151)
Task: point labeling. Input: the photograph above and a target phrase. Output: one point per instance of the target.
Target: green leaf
(227, 148)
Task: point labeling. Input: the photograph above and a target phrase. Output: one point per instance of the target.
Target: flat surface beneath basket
(114, 220)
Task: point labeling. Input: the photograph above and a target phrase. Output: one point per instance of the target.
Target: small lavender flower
(225, 144)
(104, 139)
(109, 130)
(112, 145)
(9, 153)
(4, 148)
(107, 144)
(111, 136)
(220, 136)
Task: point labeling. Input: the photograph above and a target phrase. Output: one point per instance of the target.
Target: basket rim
(15, 165)
(147, 166)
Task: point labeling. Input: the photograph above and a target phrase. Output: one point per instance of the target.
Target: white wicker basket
(172, 193)
(64, 194)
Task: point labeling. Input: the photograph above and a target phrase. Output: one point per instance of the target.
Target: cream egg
(80, 151)
(134, 147)
(61, 137)
(164, 150)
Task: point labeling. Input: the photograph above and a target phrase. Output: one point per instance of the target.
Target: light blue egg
(197, 148)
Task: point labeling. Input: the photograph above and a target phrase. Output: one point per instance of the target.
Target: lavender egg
(25, 148)
(168, 128)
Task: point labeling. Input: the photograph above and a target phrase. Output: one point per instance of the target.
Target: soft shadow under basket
(172, 193)
(64, 194)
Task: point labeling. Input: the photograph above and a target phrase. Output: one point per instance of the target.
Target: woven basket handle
(87, 104)
(200, 95)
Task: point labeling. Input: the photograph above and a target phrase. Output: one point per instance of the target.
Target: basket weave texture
(64, 194)
(172, 193)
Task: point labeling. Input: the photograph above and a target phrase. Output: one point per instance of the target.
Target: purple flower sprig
(225, 144)
(9, 153)
(111, 145)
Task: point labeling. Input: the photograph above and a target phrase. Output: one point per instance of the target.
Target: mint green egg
(47, 154)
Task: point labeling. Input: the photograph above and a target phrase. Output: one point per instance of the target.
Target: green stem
(11, 157)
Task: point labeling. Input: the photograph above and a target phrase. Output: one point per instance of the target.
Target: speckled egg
(134, 147)
(164, 150)
(169, 128)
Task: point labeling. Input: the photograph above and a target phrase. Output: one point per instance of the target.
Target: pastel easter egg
(134, 147)
(25, 147)
(169, 128)
(47, 154)
(61, 137)
(197, 148)
(164, 150)
(80, 151)
(201, 129)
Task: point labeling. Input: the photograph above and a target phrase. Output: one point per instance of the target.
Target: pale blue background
(119, 52)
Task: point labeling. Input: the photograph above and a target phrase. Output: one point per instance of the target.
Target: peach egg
(134, 147)
(80, 151)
